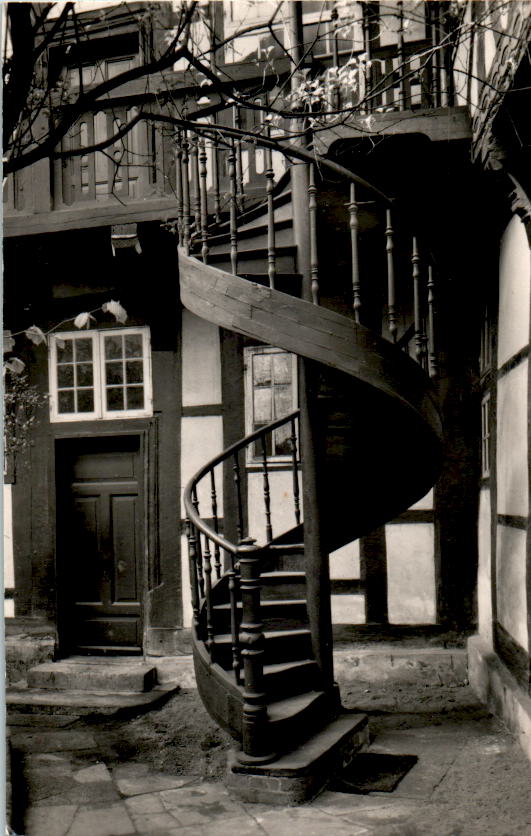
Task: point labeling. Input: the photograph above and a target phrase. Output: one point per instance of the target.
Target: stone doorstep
(300, 775)
(83, 702)
(93, 676)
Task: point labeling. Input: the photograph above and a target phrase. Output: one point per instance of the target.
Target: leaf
(15, 365)
(204, 100)
(35, 335)
(114, 308)
(82, 320)
(9, 342)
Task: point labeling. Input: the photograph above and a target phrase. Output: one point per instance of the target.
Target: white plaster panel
(282, 508)
(348, 609)
(515, 275)
(410, 573)
(511, 583)
(511, 447)
(484, 567)
(7, 525)
(201, 361)
(201, 440)
(345, 562)
(424, 504)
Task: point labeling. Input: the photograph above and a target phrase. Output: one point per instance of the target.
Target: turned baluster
(239, 161)
(354, 226)
(367, 50)
(199, 551)
(295, 472)
(267, 492)
(270, 185)
(335, 99)
(239, 499)
(191, 536)
(203, 195)
(179, 190)
(391, 308)
(314, 260)
(207, 560)
(401, 56)
(432, 356)
(233, 211)
(195, 195)
(215, 180)
(420, 337)
(434, 63)
(186, 194)
(234, 628)
(214, 503)
(255, 742)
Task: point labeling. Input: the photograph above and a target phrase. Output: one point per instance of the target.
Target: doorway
(100, 544)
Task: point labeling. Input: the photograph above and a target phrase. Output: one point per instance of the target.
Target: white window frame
(485, 436)
(98, 363)
(249, 352)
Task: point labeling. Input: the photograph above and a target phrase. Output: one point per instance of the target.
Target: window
(270, 378)
(100, 374)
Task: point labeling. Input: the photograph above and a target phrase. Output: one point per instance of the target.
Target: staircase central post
(311, 433)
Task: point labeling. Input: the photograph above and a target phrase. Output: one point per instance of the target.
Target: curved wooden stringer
(381, 435)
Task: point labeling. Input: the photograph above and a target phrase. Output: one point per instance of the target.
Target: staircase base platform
(46, 701)
(300, 775)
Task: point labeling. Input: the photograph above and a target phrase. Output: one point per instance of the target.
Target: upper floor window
(100, 374)
(271, 393)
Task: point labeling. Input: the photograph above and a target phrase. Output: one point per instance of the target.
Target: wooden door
(101, 532)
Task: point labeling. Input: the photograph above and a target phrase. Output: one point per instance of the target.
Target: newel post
(255, 745)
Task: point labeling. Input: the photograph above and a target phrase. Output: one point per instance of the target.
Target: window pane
(114, 372)
(133, 345)
(65, 353)
(262, 369)
(282, 441)
(113, 348)
(84, 374)
(83, 350)
(135, 371)
(283, 400)
(65, 401)
(85, 400)
(115, 398)
(282, 368)
(65, 376)
(135, 397)
(262, 406)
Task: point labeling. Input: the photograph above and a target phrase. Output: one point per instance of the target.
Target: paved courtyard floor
(471, 779)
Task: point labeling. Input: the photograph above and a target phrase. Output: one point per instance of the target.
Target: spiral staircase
(259, 631)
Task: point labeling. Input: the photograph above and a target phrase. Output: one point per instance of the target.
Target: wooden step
(283, 235)
(93, 676)
(280, 646)
(252, 260)
(296, 718)
(289, 678)
(275, 614)
(282, 585)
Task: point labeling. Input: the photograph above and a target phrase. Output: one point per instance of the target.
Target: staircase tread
(226, 638)
(288, 706)
(278, 667)
(267, 602)
(283, 574)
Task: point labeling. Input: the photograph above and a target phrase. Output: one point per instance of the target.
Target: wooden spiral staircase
(261, 642)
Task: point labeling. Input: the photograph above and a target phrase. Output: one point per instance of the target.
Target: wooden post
(391, 308)
(315, 556)
(203, 199)
(270, 185)
(233, 210)
(314, 258)
(354, 226)
(256, 747)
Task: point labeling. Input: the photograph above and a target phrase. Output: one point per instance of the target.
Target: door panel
(100, 544)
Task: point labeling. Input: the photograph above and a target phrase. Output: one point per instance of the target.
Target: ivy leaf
(82, 320)
(35, 335)
(9, 342)
(15, 365)
(114, 308)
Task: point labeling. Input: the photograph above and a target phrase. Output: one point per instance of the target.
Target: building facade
(426, 527)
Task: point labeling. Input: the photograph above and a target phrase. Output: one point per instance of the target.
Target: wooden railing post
(314, 258)
(270, 185)
(186, 195)
(255, 744)
(191, 536)
(203, 199)
(233, 210)
(391, 309)
(354, 225)
(432, 351)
